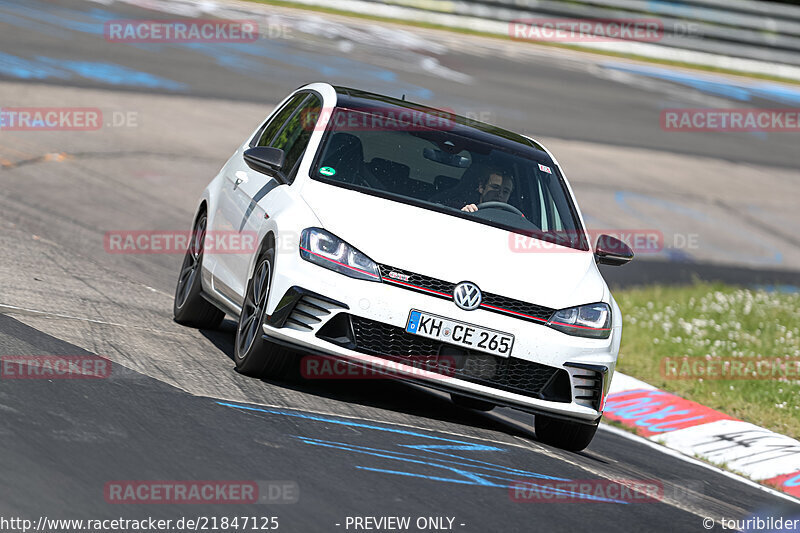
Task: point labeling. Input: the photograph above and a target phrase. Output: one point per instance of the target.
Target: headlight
(327, 250)
(593, 320)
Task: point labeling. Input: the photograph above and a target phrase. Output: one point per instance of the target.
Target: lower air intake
(390, 342)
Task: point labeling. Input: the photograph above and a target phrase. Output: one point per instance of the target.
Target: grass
(428, 25)
(713, 321)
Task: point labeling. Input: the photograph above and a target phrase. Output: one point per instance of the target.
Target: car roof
(357, 99)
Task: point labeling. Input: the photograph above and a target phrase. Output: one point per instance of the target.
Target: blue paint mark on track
(716, 85)
(244, 58)
(43, 67)
(462, 470)
(114, 74)
(247, 59)
(363, 425)
(26, 69)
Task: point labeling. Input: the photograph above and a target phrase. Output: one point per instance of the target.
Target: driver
(496, 187)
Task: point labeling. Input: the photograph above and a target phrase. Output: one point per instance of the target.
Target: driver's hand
(470, 208)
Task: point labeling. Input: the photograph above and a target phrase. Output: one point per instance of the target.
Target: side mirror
(265, 160)
(612, 251)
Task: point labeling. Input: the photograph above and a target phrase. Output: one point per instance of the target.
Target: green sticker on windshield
(327, 171)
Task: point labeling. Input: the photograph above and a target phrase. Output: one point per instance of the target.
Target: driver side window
(293, 138)
(268, 132)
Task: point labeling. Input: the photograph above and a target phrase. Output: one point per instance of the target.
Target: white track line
(12, 309)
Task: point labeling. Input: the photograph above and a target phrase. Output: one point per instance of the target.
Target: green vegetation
(708, 322)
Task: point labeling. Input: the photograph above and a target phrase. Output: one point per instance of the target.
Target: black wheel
(471, 403)
(254, 355)
(571, 436)
(189, 307)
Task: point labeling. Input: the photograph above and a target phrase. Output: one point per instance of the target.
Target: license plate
(459, 333)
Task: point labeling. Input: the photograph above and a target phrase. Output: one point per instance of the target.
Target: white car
(392, 235)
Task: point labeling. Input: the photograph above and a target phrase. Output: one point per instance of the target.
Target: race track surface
(174, 408)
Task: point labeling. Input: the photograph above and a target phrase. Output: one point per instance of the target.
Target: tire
(471, 403)
(189, 307)
(255, 356)
(570, 436)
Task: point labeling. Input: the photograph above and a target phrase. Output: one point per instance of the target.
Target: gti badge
(467, 296)
(398, 275)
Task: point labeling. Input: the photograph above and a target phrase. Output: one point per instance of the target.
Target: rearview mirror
(264, 159)
(452, 160)
(612, 251)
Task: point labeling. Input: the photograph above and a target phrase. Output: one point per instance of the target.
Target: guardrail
(748, 29)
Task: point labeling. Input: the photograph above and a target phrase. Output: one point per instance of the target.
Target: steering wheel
(500, 205)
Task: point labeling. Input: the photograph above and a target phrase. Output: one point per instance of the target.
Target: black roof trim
(357, 99)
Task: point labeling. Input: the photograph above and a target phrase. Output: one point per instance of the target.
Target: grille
(508, 374)
(512, 307)
(444, 289)
(417, 282)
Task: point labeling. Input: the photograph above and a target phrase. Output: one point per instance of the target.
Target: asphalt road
(726, 199)
(61, 447)
(173, 407)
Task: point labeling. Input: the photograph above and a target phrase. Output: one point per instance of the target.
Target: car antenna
(403, 98)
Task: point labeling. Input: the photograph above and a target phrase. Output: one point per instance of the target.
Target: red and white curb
(699, 431)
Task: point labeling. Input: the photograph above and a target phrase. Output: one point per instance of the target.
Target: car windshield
(507, 185)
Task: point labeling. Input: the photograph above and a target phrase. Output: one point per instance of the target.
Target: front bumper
(548, 371)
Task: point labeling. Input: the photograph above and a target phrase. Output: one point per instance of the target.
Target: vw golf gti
(406, 238)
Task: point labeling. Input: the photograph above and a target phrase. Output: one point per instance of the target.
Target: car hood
(454, 249)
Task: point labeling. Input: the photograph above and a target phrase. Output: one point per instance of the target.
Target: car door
(251, 194)
(227, 221)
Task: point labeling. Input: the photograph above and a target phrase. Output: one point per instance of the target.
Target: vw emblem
(467, 296)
